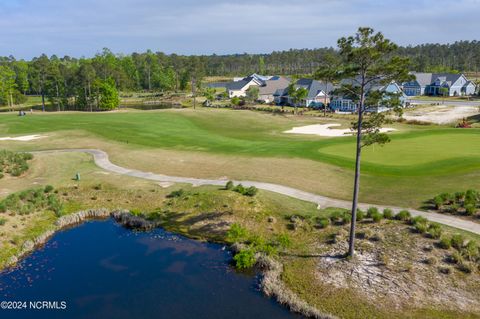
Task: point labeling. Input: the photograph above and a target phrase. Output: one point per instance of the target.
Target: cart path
(101, 160)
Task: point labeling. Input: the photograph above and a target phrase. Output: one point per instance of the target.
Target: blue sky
(83, 27)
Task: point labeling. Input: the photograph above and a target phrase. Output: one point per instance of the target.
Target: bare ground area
(441, 114)
(400, 270)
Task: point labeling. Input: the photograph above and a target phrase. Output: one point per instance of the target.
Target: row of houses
(274, 89)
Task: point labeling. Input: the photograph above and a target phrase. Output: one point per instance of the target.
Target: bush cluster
(459, 203)
(467, 252)
(247, 191)
(253, 244)
(32, 200)
(14, 164)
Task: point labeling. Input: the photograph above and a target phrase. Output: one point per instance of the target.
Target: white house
(436, 83)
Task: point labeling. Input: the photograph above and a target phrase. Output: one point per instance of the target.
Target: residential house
(269, 87)
(435, 83)
(345, 105)
(318, 94)
(239, 88)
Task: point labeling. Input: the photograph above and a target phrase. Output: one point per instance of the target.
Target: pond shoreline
(271, 270)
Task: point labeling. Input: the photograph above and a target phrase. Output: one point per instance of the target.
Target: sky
(79, 28)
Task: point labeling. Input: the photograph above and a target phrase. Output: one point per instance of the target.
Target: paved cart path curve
(101, 160)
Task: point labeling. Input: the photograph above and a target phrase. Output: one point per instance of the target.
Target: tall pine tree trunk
(356, 183)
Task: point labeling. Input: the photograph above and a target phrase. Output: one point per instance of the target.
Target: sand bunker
(25, 138)
(325, 130)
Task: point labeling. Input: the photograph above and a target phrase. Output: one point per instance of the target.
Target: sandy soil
(441, 114)
(326, 130)
(24, 138)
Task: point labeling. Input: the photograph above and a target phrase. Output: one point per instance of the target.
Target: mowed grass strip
(424, 151)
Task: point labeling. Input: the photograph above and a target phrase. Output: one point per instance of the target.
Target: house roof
(424, 79)
(272, 86)
(238, 85)
(373, 86)
(314, 87)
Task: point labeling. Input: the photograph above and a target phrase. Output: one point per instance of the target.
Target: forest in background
(78, 83)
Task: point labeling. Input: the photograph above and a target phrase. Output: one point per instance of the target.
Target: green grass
(420, 152)
(420, 161)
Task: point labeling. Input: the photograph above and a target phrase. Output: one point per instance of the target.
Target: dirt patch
(441, 114)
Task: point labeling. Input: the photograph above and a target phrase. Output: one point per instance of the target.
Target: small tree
(297, 95)
(327, 73)
(209, 94)
(107, 96)
(444, 93)
(252, 93)
(367, 60)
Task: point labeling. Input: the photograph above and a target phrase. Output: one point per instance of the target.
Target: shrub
(445, 242)
(419, 220)
(360, 215)
(229, 185)
(236, 233)
(421, 227)
(388, 213)
(323, 222)
(98, 187)
(438, 202)
(347, 217)
(470, 209)
(471, 196)
(446, 197)
(48, 189)
(176, 193)
(2, 221)
(336, 217)
(403, 215)
(239, 189)
(245, 258)
(455, 258)
(376, 216)
(470, 251)
(250, 191)
(435, 231)
(457, 241)
(465, 267)
(459, 196)
(371, 211)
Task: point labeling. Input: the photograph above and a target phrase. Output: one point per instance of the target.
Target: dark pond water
(102, 270)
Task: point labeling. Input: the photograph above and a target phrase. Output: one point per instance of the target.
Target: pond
(102, 270)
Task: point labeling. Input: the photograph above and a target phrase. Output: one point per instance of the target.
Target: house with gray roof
(239, 88)
(343, 104)
(268, 89)
(435, 83)
(318, 93)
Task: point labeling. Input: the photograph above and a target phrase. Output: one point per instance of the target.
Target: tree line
(81, 83)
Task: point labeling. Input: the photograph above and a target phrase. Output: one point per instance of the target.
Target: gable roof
(273, 85)
(239, 85)
(424, 79)
(313, 87)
